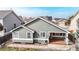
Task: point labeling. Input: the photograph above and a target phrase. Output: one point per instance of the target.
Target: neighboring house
(61, 23)
(38, 30)
(74, 22)
(27, 19)
(8, 21)
(47, 17)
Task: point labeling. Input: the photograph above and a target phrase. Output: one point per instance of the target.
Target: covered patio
(57, 38)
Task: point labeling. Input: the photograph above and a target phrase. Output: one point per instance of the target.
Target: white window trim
(41, 35)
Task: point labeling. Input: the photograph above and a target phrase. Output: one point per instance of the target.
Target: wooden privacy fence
(5, 38)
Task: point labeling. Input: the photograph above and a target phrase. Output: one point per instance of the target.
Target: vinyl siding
(9, 22)
(22, 36)
(40, 25)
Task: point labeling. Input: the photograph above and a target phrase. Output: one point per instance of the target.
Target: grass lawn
(17, 49)
(5, 48)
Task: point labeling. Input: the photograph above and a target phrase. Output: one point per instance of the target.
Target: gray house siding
(9, 22)
(41, 26)
(22, 36)
(42, 31)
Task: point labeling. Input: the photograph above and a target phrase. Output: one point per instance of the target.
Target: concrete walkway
(49, 47)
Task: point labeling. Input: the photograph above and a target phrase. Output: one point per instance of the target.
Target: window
(57, 34)
(63, 34)
(28, 35)
(5, 30)
(43, 34)
(14, 25)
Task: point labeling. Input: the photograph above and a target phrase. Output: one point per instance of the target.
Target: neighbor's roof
(4, 13)
(47, 22)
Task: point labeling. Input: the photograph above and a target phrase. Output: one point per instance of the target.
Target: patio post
(66, 39)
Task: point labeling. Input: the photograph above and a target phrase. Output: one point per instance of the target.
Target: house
(8, 21)
(47, 17)
(74, 22)
(39, 31)
(61, 22)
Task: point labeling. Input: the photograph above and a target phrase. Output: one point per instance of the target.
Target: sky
(55, 12)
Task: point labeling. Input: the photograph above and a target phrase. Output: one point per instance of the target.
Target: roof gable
(4, 13)
(21, 27)
(46, 22)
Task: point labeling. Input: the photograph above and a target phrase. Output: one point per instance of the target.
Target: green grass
(17, 49)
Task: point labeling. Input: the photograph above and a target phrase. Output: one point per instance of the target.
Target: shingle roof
(47, 22)
(24, 25)
(4, 13)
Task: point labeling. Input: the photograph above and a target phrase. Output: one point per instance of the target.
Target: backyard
(9, 46)
(17, 49)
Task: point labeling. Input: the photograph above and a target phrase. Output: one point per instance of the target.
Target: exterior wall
(22, 40)
(73, 23)
(40, 25)
(22, 37)
(62, 24)
(43, 41)
(9, 22)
